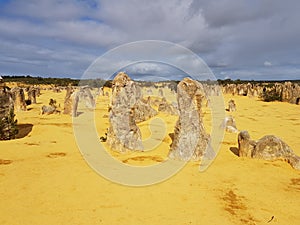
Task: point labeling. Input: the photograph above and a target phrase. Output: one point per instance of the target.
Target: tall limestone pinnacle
(190, 138)
(123, 133)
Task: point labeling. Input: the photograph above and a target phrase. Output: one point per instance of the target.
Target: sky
(253, 40)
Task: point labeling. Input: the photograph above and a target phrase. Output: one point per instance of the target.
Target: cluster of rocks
(20, 101)
(268, 147)
(229, 124)
(289, 92)
(190, 139)
(251, 90)
(50, 109)
(128, 107)
(32, 93)
(143, 110)
(73, 97)
(165, 107)
(212, 89)
(286, 92)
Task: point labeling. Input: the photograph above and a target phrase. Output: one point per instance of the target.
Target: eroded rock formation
(19, 99)
(8, 125)
(286, 92)
(268, 147)
(86, 96)
(32, 95)
(165, 107)
(75, 102)
(229, 124)
(123, 133)
(190, 138)
(143, 110)
(231, 106)
(160, 92)
(50, 109)
(68, 101)
(73, 98)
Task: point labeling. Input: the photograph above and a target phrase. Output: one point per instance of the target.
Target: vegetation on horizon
(31, 80)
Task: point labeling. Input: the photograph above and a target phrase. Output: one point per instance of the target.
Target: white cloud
(146, 68)
(267, 63)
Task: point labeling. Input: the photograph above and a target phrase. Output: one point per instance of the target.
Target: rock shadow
(78, 114)
(234, 150)
(171, 135)
(24, 130)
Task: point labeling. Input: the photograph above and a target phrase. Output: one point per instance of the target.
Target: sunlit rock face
(190, 139)
(68, 101)
(19, 99)
(123, 133)
(268, 147)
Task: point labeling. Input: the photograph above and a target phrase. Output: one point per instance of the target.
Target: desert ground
(44, 179)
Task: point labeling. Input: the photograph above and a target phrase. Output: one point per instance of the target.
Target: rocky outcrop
(286, 92)
(32, 95)
(50, 109)
(19, 99)
(245, 144)
(290, 92)
(86, 96)
(123, 133)
(68, 101)
(190, 138)
(8, 125)
(268, 147)
(229, 125)
(75, 102)
(165, 107)
(143, 110)
(231, 106)
(160, 92)
(73, 98)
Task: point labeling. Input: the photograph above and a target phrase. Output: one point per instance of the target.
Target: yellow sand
(45, 180)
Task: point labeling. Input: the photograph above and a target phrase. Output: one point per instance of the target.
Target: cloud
(267, 63)
(146, 68)
(65, 36)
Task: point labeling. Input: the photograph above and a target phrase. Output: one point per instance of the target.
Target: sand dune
(45, 180)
